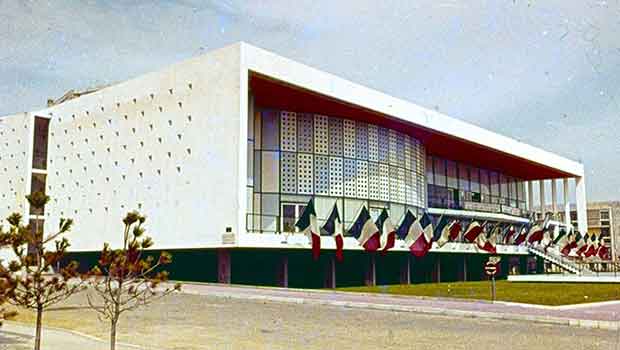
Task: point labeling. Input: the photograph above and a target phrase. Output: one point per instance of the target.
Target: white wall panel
(321, 134)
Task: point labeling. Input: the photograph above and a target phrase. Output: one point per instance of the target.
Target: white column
(567, 220)
(582, 213)
(530, 195)
(554, 198)
(541, 184)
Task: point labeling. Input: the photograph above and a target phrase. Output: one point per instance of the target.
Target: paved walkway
(603, 315)
(17, 336)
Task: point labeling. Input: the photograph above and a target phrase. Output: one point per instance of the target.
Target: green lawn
(531, 293)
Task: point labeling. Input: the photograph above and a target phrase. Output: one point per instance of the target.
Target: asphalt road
(189, 321)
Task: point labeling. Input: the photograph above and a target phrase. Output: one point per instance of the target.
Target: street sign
(490, 269)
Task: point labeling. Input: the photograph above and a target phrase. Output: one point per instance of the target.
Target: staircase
(557, 259)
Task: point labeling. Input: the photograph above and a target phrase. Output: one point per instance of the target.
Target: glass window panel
(452, 176)
(474, 175)
(270, 134)
(513, 188)
(41, 128)
(429, 170)
(440, 172)
(270, 171)
(503, 186)
(494, 180)
(464, 177)
(484, 181)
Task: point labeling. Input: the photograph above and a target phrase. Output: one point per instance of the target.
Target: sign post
(491, 269)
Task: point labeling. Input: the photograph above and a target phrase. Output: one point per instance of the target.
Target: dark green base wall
(261, 266)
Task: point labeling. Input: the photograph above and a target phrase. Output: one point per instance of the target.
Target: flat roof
(278, 82)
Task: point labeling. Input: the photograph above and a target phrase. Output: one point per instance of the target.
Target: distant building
(603, 221)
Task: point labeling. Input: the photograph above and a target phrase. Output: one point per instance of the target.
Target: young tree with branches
(129, 277)
(30, 276)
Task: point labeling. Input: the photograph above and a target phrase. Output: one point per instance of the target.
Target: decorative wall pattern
(14, 159)
(330, 156)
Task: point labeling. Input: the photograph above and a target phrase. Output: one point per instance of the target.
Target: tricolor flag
(522, 236)
(365, 231)
(582, 243)
(333, 227)
(419, 238)
(446, 231)
(388, 231)
(591, 250)
(509, 234)
(603, 251)
(548, 237)
(568, 244)
(473, 231)
(307, 225)
(405, 223)
(563, 240)
(486, 241)
(537, 231)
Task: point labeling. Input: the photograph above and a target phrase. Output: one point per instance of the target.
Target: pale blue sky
(544, 72)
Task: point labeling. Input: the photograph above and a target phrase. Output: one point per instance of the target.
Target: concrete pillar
(282, 272)
(405, 270)
(330, 274)
(582, 213)
(567, 220)
(554, 198)
(371, 272)
(541, 187)
(223, 266)
(530, 195)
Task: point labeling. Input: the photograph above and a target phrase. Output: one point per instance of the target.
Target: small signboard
(490, 269)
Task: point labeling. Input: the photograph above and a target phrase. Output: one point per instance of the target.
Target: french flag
(582, 244)
(591, 251)
(509, 233)
(405, 224)
(307, 224)
(487, 242)
(420, 235)
(522, 236)
(365, 231)
(333, 227)
(447, 230)
(388, 231)
(473, 231)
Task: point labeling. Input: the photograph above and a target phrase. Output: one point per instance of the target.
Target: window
(38, 185)
(440, 172)
(452, 176)
(291, 212)
(39, 157)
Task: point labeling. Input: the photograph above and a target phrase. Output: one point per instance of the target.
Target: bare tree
(129, 277)
(30, 276)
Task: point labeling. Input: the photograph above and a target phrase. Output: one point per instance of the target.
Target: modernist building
(223, 151)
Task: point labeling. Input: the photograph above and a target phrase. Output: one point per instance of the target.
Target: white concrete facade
(173, 145)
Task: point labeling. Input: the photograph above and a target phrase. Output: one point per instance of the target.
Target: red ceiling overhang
(271, 93)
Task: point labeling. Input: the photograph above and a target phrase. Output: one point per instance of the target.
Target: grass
(531, 293)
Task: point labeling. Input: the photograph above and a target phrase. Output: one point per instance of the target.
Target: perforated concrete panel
(305, 140)
(335, 176)
(373, 143)
(361, 144)
(349, 170)
(14, 162)
(335, 137)
(321, 134)
(168, 144)
(289, 172)
(362, 179)
(321, 174)
(288, 131)
(305, 171)
(349, 138)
